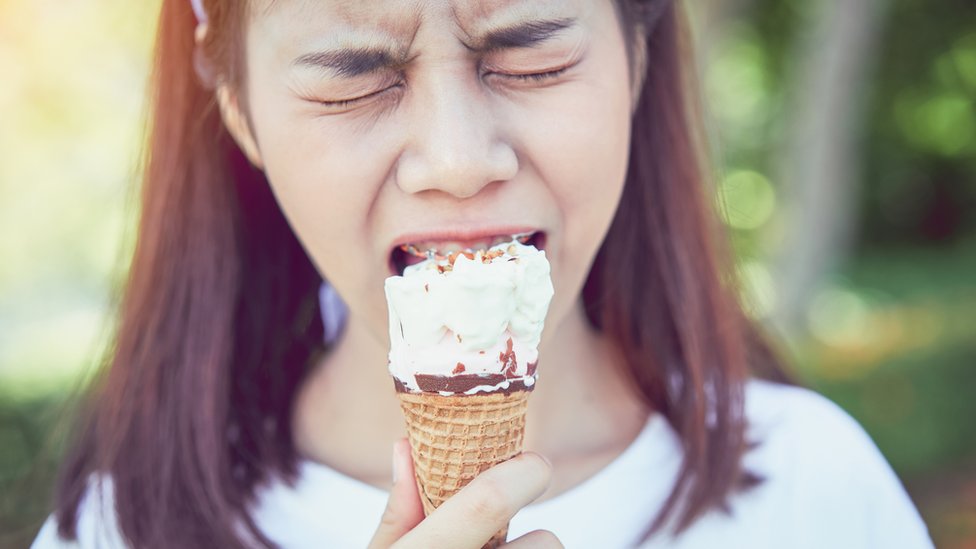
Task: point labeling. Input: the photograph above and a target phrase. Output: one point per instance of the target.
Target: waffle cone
(454, 438)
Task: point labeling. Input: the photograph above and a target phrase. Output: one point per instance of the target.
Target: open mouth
(412, 253)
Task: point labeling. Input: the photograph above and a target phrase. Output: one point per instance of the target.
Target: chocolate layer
(456, 384)
(400, 387)
(460, 383)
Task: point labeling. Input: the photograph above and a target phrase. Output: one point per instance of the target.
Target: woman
(296, 142)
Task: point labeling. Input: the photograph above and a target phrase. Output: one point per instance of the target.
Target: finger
(403, 510)
(536, 539)
(470, 517)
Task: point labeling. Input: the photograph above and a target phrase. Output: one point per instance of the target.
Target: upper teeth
(440, 250)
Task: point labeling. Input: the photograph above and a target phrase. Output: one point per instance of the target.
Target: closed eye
(342, 103)
(535, 76)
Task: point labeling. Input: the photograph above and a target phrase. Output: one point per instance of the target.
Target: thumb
(403, 510)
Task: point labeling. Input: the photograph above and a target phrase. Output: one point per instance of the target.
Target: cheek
(581, 154)
(326, 178)
(584, 156)
(579, 146)
(323, 193)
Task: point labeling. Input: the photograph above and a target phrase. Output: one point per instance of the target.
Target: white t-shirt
(826, 486)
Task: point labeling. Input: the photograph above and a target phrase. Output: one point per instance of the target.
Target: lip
(458, 234)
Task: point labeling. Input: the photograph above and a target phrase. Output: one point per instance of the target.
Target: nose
(455, 143)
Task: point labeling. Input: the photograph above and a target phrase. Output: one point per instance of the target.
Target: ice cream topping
(470, 322)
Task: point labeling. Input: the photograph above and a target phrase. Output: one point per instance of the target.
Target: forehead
(404, 16)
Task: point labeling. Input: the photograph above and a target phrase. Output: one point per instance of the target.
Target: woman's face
(439, 123)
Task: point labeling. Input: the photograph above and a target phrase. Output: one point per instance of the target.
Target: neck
(582, 392)
(580, 406)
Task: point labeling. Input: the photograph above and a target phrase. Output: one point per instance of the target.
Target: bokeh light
(758, 288)
(737, 85)
(747, 200)
(944, 124)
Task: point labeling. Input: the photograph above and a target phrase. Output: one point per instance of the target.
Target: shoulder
(820, 468)
(802, 419)
(97, 522)
(808, 434)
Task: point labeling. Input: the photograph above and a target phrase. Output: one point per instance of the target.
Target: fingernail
(396, 464)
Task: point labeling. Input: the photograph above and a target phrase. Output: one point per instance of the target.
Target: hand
(469, 518)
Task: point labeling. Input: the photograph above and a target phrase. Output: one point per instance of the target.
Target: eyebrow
(349, 62)
(522, 35)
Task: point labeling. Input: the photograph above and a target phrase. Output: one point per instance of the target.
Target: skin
(449, 139)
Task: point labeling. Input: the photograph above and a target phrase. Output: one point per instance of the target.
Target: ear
(230, 110)
(237, 124)
(638, 66)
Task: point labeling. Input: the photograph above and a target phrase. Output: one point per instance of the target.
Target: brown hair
(219, 322)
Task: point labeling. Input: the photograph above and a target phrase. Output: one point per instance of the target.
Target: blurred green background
(844, 132)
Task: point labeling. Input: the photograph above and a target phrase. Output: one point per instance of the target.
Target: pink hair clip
(199, 11)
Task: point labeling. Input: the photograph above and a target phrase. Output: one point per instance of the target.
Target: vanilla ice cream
(472, 325)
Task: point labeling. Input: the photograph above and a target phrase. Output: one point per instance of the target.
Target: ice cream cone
(454, 438)
(464, 336)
